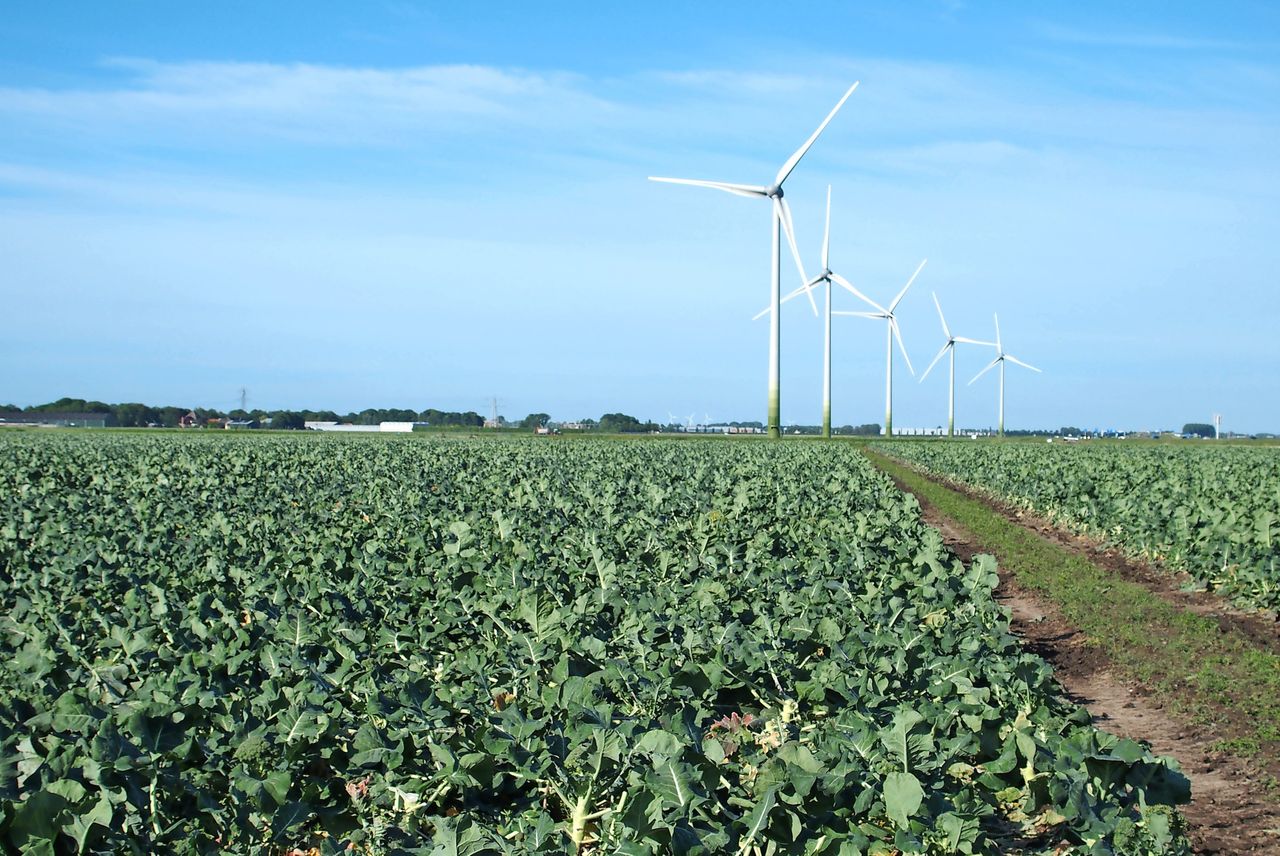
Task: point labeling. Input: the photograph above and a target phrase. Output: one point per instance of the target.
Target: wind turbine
(827, 276)
(950, 346)
(781, 222)
(1000, 359)
(891, 334)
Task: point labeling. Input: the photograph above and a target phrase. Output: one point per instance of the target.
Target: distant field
(1211, 510)
(267, 642)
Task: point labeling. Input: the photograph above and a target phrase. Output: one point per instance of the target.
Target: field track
(1235, 804)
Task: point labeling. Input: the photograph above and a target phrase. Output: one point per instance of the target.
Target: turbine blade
(783, 211)
(826, 235)
(935, 361)
(790, 296)
(893, 324)
(946, 332)
(974, 341)
(999, 347)
(749, 190)
(844, 283)
(903, 293)
(799, 153)
(1013, 359)
(989, 367)
(857, 314)
(808, 285)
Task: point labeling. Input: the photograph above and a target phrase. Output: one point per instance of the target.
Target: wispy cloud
(1131, 39)
(322, 103)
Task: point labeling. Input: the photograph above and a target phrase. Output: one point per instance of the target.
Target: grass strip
(1211, 676)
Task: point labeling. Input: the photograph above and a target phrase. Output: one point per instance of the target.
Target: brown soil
(1230, 809)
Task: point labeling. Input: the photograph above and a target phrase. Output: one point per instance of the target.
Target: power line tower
(492, 421)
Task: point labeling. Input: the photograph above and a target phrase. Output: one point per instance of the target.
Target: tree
(170, 416)
(621, 423)
(291, 420)
(535, 420)
(71, 405)
(1198, 429)
(134, 415)
(870, 429)
(442, 418)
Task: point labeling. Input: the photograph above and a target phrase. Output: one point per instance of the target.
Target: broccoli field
(271, 644)
(1212, 511)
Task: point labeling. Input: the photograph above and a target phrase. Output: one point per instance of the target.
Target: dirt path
(1231, 810)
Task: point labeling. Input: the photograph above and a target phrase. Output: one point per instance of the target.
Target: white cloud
(322, 104)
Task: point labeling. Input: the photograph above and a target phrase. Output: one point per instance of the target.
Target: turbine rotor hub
(774, 191)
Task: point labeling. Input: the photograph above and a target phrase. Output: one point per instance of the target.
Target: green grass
(1190, 665)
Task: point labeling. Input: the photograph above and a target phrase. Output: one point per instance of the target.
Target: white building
(347, 428)
(917, 432)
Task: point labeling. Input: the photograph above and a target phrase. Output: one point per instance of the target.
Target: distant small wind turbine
(893, 332)
(1000, 359)
(781, 222)
(826, 276)
(950, 346)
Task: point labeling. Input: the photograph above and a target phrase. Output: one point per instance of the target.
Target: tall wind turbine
(891, 334)
(1001, 358)
(781, 222)
(826, 276)
(950, 346)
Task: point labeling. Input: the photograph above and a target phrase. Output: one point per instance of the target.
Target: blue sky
(425, 205)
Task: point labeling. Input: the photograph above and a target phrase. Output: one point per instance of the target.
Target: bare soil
(1231, 809)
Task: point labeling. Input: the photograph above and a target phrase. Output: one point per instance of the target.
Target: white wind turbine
(950, 346)
(826, 276)
(887, 315)
(781, 222)
(1001, 358)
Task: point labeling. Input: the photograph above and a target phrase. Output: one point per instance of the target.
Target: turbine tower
(950, 346)
(1001, 358)
(891, 334)
(826, 276)
(781, 222)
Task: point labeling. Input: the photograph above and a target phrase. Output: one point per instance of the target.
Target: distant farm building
(719, 429)
(59, 420)
(380, 428)
(917, 432)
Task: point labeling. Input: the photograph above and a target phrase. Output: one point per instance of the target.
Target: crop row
(257, 645)
(1212, 511)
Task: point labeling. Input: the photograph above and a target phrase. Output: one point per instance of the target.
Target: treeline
(137, 415)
